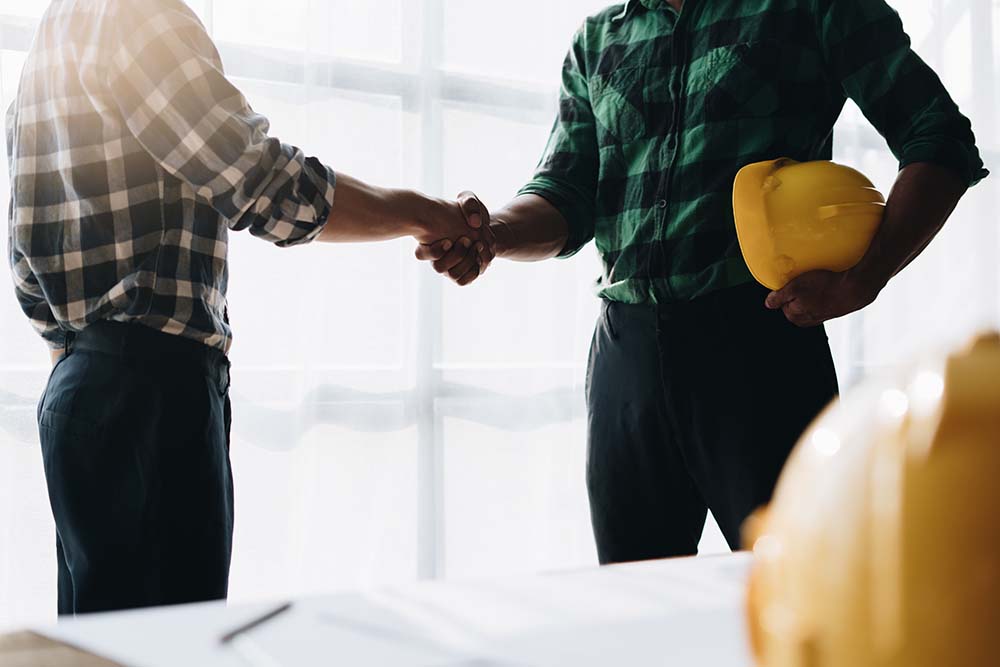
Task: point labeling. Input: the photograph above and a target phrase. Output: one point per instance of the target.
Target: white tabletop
(682, 612)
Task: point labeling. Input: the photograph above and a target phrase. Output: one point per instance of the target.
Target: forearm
(363, 212)
(529, 229)
(920, 202)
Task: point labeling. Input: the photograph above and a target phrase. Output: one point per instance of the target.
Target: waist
(735, 303)
(642, 289)
(138, 343)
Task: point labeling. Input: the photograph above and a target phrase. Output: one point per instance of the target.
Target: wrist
(504, 236)
(867, 279)
(874, 270)
(415, 212)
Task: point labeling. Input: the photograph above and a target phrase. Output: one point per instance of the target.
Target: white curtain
(389, 426)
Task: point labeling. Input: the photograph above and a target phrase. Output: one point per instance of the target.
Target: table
(679, 612)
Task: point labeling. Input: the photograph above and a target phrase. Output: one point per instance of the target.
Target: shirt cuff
(953, 155)
(319, 184)
(328, 183)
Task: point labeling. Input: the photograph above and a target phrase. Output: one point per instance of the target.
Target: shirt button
(661, 203)
(671, 143)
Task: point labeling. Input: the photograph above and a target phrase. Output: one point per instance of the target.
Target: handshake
(457, 237)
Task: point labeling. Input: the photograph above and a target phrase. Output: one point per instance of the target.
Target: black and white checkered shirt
(131, 156)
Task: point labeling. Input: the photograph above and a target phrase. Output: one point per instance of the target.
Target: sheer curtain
(389, 426)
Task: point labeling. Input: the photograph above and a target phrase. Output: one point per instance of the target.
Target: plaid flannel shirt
(659, 110)
(131, 156)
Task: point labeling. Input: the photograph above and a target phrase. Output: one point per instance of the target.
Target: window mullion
(430, 442)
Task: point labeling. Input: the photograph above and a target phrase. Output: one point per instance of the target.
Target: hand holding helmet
(802, 227)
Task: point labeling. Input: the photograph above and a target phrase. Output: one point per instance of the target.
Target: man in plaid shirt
(696, 391)
(131, 158)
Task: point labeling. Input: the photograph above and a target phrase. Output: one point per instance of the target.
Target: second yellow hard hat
(881, 546)
(794, 217)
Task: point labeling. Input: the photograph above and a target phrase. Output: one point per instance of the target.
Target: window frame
(426, 87)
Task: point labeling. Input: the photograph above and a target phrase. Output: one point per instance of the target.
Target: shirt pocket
(740, 80)
(618, 103)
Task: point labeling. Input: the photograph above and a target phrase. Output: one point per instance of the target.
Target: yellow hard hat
(794, 217)
(881, 547)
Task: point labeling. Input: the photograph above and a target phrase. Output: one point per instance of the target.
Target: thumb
(778, 298)
(474, 211)
(429, 252)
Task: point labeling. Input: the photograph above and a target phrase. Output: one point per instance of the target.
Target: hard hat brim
(751, 225)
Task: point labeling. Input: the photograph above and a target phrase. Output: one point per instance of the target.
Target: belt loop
(68, 342)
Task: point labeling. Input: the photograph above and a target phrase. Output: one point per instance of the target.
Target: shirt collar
(630, 4)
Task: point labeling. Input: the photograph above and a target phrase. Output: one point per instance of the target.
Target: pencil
(250, 625)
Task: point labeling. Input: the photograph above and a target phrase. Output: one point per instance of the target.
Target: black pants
(694, 406)
(134, 427)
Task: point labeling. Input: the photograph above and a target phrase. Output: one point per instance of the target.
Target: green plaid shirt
(659, 110)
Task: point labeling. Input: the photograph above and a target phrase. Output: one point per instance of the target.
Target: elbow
(282, 231)
(291, 210)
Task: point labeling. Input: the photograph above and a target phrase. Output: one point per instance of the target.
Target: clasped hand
(819, 296)
(457, 239)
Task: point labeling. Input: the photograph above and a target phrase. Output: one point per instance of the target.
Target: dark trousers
(134, 427)
(694, 406)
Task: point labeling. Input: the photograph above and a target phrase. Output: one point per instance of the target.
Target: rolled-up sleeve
(869, 54)
(567, 173)
(168, 83)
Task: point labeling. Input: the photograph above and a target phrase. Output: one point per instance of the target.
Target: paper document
(686, 612)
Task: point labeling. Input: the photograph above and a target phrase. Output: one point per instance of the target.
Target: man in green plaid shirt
(700, 382)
